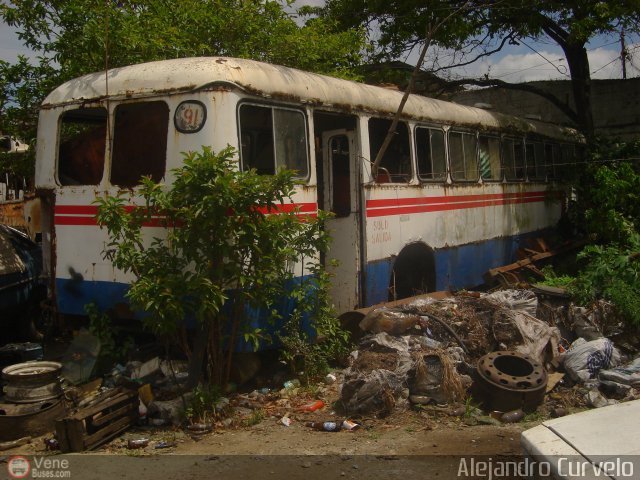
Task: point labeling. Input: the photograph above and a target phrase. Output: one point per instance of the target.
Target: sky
(526, 62)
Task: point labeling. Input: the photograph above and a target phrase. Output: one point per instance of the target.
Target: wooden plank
(108, 415)
(542, 245)
(101, 405)
(97, 422)
(105, 434)
(74, 430)
(534, 258)
(61, 435)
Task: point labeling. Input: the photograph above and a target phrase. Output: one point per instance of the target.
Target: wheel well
(414, 272)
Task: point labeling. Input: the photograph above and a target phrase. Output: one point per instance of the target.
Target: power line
(547, 60)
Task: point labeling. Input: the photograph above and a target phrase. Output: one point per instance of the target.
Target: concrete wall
(616, 104)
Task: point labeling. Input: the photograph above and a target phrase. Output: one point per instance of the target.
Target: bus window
(513, 159)
(273, 139)
(397, 159)
(566, 167)
(5, 144)
(535, 161)
(139, 142)
(82, 146)
(489, 157)
(432, 160)
(551, 158)
(340, 176)
(463, 156)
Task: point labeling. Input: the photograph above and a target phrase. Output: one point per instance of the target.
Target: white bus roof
(282, 83)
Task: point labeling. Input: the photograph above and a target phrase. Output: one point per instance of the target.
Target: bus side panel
(469, 229)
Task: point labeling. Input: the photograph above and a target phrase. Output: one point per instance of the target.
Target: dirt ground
(424, 442)
(406, 443)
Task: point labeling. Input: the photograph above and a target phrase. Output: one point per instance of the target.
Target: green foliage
(609, 191)
(554, 280)
(255, 418)
(396, 27)
(222, 258)
(608, 208)
(612, 272)
(473, 29)
(112, 346)
(76, 37)
(202, 404)
(310, 357)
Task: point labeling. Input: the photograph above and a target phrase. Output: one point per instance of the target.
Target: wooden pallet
(107, 415)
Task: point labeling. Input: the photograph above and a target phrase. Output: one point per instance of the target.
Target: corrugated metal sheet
(273, 81)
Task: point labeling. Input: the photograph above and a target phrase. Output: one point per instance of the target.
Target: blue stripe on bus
(74, 294)
(456, 267)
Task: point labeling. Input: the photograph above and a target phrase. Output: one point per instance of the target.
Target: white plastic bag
(628, 374)
(520, 300)
(584, 360)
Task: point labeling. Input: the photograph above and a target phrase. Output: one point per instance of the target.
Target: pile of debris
(505, 349)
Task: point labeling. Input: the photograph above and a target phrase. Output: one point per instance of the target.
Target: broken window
(139, 142)
(535, 161)
(567, 164)
(551, 159)
(513, 159)
(340, 176)
(489, 157)
(463, 156)
(273, 139)
(82, 146)
(5, 144)
(432, 160)
(396, 161)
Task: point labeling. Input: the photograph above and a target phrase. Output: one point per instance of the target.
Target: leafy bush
(228, 251)
(611, 272)
(609, 208)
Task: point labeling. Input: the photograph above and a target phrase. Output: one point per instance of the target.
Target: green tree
(607, 211)
(482, 27)
(75, 37)
(228, 252)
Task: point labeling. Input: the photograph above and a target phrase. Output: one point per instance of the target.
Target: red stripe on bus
(76, 209)
(91, 221)
(394, 209)
(398, 202)
(86, 214)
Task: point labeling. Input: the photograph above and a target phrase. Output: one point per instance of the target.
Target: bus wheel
(414, 272)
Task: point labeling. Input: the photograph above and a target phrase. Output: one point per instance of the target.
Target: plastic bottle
(312, 407)
(325, 426)
(139, 443)
(290, 384)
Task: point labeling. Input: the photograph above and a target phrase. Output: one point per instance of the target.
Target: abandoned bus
(457, 192)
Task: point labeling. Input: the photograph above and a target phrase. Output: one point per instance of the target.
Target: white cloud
(526, 67)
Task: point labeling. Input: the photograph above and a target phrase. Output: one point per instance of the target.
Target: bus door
(340, 185)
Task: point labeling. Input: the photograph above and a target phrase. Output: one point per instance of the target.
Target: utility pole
(623, 54)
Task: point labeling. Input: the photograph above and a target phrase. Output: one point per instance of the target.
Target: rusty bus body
(457, 193)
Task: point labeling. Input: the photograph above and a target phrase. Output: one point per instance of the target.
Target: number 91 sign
(190, 116)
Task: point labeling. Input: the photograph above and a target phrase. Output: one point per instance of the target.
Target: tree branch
(484, 54)
(562, 106)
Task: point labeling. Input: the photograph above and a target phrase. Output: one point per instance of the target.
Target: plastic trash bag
(520, 300)
(584, 360)
(628, 374)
